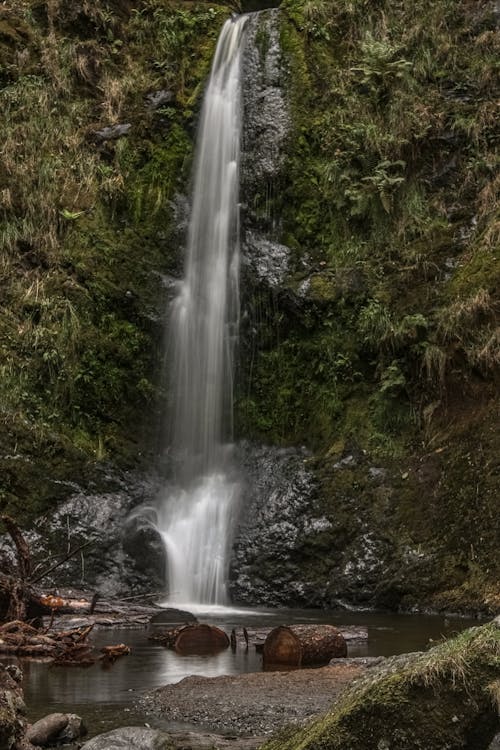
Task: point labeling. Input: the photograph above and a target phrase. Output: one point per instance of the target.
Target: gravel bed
(251, 704)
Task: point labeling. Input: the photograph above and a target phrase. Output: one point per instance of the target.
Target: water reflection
(99, 691)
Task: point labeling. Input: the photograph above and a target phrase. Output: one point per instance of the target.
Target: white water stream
(195, 518)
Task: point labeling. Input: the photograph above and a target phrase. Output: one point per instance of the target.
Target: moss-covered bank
(98, 103)
(383, 341)
(445, 698)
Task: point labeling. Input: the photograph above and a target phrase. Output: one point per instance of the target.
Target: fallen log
(166, 637)
(301, 645)
(50, 602)
(70, 647)
(201, 639)
(111, 653)
(193, 639)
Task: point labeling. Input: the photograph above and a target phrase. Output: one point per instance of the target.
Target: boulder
(55, 729)
(45, 731)
(125, 556)
(171, 616)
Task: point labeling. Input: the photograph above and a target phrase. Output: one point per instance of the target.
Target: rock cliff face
(371, 336)
(370, 283)
(12, 709)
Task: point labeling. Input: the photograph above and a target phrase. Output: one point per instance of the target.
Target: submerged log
(301, 645)
(166, 637)
(68, 647)
(111, 653)
(193, 639)
(201, 639)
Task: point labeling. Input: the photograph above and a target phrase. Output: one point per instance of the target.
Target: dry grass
(434, 363)
(455, 661)
(458, 321)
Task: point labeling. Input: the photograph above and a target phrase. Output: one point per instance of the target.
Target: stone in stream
(171, 616)
(55, 729)
(188, 640)
(130, 738)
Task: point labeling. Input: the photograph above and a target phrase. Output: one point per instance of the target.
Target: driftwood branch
(56, 565)
(23, 553)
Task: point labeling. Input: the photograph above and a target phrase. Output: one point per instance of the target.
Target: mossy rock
(445, 698)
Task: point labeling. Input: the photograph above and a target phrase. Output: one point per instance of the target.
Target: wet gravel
(251, 704)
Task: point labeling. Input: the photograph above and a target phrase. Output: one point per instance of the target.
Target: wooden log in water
(302, 645)
(111, 653)
(200, 639)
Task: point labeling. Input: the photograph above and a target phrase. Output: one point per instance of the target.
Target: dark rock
(46, 731)
(266, 260)
(267, 119)
(279, 516)
(125, 555)
(294, 517)
(15, 672)
(112, 132)
(171, 616)
(157, 99)
(12, 710)
(130, 738)
(74, 729)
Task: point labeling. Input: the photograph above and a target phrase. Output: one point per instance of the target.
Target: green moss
(480, 271)
(87, 227)
(379, 187)
(384, 337)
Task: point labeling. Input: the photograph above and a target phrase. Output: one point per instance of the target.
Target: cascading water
(195, 518)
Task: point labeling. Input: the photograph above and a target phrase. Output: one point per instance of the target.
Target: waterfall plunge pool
(108, 698)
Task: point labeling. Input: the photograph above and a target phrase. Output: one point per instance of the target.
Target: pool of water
(107, 697)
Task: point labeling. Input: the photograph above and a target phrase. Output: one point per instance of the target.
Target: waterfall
(195, 517)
